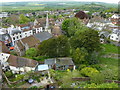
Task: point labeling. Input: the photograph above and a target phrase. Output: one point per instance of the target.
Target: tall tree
(79, 56)
(88, 39)
(70, 26)
(32, 52)
(55, 47)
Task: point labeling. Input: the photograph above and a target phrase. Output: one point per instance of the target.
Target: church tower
(47, 29)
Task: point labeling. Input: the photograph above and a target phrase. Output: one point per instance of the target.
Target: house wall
(21, 69)
(4, 57)
(115, 37)
(38, 30)
(27, 33)
(16, 37)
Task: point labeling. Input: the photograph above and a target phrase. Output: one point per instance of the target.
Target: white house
(115, 37)
(17, 64)
(3, 14)
(3, 59)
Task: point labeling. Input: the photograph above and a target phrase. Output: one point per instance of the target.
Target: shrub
(34, 87)
(98, 67)
(8, 74)
(88, 71)
(97, 78)
(104, 85)
(109, 74)
(81, 66)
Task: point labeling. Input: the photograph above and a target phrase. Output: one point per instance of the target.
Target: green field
(17, 8)
(108, 48)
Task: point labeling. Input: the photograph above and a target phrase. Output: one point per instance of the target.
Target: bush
(104, 85)
(34, 87)
(81, 66)
(8, 74)
(109, 74)
(88, 71)
(98, 67)
(97, 78)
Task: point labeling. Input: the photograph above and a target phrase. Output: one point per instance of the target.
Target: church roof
(81, 15)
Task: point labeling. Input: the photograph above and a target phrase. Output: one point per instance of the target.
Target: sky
(108, 1)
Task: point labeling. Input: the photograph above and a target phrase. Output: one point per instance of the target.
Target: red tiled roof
(81, 15)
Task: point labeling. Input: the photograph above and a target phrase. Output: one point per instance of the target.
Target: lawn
(108, 48)
(109, 64)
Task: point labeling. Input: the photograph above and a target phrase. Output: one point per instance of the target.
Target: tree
(23, 19)
(32, 52)
(70, 26)
(79, 56)
(54, 47)
(88, 39)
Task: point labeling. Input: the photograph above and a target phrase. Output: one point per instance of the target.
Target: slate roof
(59, 61)
(15, 31)
(2, 37)
(31, 41)
(105, 33)
(43, 36)
(21, 62)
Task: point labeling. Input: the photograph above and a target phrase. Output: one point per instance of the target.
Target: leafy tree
(32, 52)
(79, 56)
(70, 26)
(54, 47)
(88, 39)
(23, 19)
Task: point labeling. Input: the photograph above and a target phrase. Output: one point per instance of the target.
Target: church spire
(47, 24)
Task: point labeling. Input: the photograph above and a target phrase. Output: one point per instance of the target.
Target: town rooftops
(31, 41)
(59, 61)
(43, 36)
(21, 62)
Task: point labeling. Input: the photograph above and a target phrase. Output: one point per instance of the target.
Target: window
(116, 38)
(20, 36)
(17, 37)
(112, 36)
(13, 38)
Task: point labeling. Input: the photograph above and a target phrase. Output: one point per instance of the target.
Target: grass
(17, 8)
(108, 48)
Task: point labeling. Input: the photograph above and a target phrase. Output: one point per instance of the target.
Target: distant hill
(35, 4)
